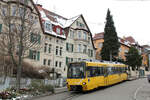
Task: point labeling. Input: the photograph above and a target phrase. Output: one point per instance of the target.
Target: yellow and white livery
(85, 76)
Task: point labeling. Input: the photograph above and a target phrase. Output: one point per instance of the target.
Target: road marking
(135, 94)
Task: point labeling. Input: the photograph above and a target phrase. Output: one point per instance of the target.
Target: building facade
(98, 40)
(71, 40)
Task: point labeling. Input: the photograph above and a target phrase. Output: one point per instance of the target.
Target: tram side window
(113, 70)
(100, 71)
(109, 70)
(94, 71)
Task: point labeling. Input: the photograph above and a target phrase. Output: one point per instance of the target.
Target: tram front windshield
(76, 70)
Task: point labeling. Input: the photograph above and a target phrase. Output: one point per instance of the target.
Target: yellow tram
(85, 76)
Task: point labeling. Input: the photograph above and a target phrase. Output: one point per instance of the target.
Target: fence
(10, 82)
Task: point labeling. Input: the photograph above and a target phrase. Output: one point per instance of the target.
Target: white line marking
(135, 94)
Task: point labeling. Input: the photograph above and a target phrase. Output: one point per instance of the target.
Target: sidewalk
(57, 91)
(132, 78)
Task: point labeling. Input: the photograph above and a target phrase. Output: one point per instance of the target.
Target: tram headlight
(84, 83)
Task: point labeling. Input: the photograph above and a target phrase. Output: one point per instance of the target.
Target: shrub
(39, 86)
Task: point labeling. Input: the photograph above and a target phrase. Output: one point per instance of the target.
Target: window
(84, 35)
(94, 71)
(57, 41)
(12, 27)
(56, 63)
(63, 32)
(79, 34)
(89, 39)
(0, 27)
(58, 30)
(79, 47)
(77, 23)
(44, 62)
(126, 51)
(120, 49)
(69, 47)
(49, 49)
(84, 48)
(60, 51)
(4, 10)
(35, 55)
(45, 47)
(30, 17)
(56, 50)
(60, 63)
(48, 27)
(14, 10)
(68, 60)
(100, 45)
(79, 59)
(49, 62)
(71, 34)
(35, 38)
(90, 53)
(21, 12)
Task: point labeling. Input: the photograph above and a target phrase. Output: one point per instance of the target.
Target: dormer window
(58, 30)
(48, 26)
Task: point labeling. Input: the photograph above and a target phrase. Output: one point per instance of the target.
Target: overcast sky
(131, 17)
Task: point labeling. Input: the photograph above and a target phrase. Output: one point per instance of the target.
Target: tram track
(73, 95)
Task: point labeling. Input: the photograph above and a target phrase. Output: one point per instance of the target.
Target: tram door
(105, 76)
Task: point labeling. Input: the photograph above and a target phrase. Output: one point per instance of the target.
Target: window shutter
(67, 48)
(30, 54)
(72, 47)
(39, 39)
(38, 56)
(0, 27)
(66, 60)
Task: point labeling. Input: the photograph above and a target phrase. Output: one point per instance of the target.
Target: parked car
(148, 78)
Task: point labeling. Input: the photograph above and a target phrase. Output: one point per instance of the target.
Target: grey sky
(131, 17)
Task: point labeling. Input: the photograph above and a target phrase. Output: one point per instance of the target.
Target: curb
(57, 91)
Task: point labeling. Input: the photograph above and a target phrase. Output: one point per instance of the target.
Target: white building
(69, 40)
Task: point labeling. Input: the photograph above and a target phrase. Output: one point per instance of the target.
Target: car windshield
(76, 70)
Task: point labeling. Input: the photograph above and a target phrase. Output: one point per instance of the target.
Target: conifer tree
(111, 45)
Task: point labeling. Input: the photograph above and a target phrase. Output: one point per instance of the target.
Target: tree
(111, 45)
(20, 33)
(133, 58)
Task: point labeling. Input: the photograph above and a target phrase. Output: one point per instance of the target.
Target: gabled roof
(61, 21)
(130, 39)
(121, 40)
(98, 36)
(52, 18)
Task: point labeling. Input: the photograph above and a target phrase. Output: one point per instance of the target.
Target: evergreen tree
(133, 58)
(111, 45)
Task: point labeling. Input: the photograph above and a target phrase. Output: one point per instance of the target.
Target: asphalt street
(128, 90)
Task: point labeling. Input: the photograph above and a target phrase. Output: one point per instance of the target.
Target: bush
(39, 86)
